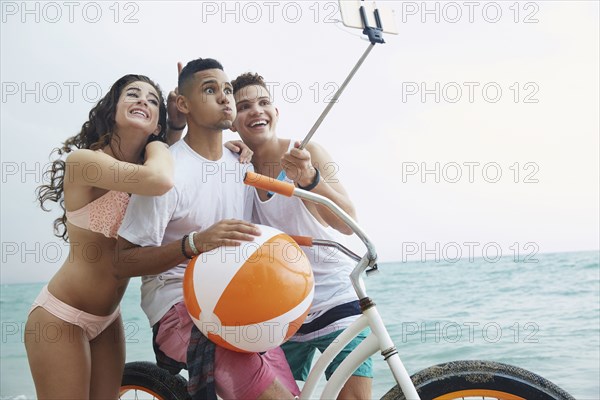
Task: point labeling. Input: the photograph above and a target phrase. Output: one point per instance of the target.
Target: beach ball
(253, 297)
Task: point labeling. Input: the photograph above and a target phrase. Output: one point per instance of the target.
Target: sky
(472, 133)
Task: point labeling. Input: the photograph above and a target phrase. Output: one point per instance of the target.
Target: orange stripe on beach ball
(269, 284)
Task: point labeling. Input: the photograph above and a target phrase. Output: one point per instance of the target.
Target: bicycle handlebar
(303, 240)
(269, 184)
(288, 189)
(308, 241)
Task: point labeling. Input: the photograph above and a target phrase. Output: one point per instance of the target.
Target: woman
(119, 150)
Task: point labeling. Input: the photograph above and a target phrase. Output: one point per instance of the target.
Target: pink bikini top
(103, 215)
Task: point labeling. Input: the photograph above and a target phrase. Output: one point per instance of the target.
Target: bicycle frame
(378, 339)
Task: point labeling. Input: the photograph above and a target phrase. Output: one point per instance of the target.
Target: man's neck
(209, 144)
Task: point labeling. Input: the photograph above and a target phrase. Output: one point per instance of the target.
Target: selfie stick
(375, 35)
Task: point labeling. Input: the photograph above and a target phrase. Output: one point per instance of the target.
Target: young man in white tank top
(335, 305)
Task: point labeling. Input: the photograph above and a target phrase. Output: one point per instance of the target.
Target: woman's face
(138, 108)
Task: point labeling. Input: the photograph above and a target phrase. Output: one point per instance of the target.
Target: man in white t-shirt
(206, 208)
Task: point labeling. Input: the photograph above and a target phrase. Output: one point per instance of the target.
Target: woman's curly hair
(97, 132)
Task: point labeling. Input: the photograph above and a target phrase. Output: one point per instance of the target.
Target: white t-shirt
(205, 192)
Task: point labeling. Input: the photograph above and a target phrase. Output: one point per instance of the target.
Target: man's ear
(277, 112)
(181, 103)
(232, 127)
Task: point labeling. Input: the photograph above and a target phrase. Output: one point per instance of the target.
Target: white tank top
(331, 267)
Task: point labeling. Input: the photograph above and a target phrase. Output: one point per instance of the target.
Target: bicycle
(451, 380)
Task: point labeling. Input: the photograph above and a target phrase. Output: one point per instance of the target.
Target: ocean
(542, 314)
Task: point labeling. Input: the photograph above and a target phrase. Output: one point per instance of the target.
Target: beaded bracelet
(183, 247)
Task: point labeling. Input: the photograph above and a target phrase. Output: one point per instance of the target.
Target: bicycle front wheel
(145, 380)
(478, 380)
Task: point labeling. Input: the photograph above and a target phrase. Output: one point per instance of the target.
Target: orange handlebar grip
(269, 184)
(303, 240)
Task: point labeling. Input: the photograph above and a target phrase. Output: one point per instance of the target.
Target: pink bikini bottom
(91, 324)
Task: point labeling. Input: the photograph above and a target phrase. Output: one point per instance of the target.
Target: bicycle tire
(459, 379)
(147, 377)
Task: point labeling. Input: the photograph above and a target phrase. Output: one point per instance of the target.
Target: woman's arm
(97, 169)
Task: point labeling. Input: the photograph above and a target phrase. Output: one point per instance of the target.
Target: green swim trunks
(300, 355)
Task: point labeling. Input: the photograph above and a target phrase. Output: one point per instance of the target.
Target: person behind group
(205, 209)
(119, 150)
(335, 303)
